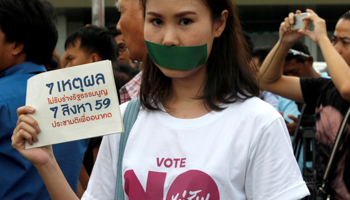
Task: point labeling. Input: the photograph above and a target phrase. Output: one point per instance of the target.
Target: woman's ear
(220, 25)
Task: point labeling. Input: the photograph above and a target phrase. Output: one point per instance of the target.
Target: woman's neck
(183, 102)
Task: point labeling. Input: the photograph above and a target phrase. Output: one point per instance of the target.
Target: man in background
(328, 98)
(87, 45)
(131, 25)
(28, 37)
(298, 63)
(123, 50)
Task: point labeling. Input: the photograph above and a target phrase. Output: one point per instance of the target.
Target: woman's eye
(156, 22)
(185, 22)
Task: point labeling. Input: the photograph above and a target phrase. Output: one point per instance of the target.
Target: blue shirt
(288, 107)
(19, 179)
(270, 98)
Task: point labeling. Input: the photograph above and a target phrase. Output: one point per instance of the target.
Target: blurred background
(260, 18)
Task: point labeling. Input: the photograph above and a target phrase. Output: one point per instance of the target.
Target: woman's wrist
(49, 165)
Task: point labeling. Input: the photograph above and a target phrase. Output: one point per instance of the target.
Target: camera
(298, 23)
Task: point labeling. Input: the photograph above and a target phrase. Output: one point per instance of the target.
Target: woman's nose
(170, 37)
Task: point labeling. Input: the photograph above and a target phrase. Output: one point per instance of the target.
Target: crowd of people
(204, 129)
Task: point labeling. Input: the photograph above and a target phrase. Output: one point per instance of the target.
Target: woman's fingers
(27, 129)
(25, 110)
(27, 120)
(19, 138)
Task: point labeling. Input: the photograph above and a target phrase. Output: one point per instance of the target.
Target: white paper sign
(74, 103)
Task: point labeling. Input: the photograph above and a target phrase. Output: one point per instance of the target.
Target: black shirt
(330, 108)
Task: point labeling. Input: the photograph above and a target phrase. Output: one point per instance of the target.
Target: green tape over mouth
(177, 57)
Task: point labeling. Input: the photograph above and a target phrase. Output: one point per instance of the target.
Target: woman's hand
(286, 32)
(320, 30)
(27, 129)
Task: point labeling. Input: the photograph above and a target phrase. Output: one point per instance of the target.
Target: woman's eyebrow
(178, 15)
(181, 14)
(154, 14)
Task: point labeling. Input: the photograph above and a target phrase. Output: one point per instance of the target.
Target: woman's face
(181, 23)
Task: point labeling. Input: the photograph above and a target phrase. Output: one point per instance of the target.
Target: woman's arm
(42, 157)
(55, 181)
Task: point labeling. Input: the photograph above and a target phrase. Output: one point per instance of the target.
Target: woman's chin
(174, 73)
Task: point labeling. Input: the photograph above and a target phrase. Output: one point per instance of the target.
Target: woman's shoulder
(254, 103)
(123, 108)
(254, 108)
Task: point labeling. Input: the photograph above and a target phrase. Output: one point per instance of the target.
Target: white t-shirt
(242, 152)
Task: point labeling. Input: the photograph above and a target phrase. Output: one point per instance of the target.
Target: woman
(201, 133)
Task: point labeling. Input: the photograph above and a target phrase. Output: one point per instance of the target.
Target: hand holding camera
(296, 25)
(320, 30)
(299, 22)
(288, 29)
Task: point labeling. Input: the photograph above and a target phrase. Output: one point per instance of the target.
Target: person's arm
(83, 181)
(338, 68)
(55, 182)
(42, 157)
(271, 77)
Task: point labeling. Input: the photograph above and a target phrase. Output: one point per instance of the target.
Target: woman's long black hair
(230, 78)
